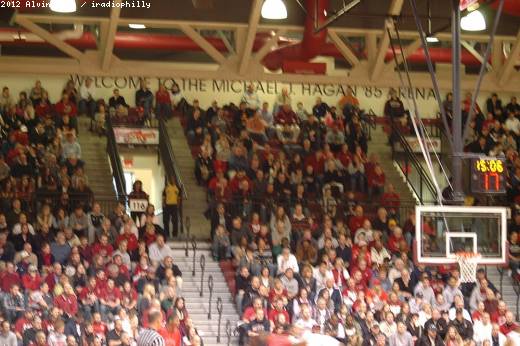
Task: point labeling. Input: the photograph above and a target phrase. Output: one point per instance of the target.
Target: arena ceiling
(215, 38)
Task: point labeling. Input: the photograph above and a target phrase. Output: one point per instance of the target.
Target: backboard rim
(424, 260)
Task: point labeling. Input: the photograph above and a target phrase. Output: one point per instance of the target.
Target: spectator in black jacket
(144, 98)
(196, 127)
(439, 322)
(463, 326)
(259, 325)
(117, 100)
(494, 106)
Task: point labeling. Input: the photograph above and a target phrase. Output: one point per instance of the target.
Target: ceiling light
(432, 39)
(473, 21)
(63, 6)
(274, 9)
(137, 26)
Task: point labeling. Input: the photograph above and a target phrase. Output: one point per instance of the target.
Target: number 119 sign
(138, 205)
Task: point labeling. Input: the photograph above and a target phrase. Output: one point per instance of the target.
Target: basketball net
(468, 263)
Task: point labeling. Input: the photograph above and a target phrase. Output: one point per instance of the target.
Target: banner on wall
(433, 145)
(128, 135)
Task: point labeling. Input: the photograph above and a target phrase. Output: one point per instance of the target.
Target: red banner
(464, 4)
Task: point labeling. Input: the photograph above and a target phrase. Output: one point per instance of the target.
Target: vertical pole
(458, 193)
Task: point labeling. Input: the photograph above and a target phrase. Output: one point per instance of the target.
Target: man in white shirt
(305, 321)
(158, 250)
(459, 304)
(451, 290)
(87, 102)
(251, 98)
(482, 329)
(512, 124)
(287, 260)
(425, 289)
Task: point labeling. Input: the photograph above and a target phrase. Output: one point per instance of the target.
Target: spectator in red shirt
(67, 301)
(103, 248)
(100, 328)
(376, 181)
(128, 235)
(278, 308)
(32, 279)
(110, 299)
(67, 111)
(163, 103)
(356, 221)
(510, 325)
(10, 278)
(172, 333)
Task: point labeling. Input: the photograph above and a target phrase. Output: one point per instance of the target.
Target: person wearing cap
(439, 322)
(431, 337)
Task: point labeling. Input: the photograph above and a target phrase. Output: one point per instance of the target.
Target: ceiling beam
(166, 23)
(393, 10)
(507, 68)
(49, 37)
(407, 51)
(497, 55)
(268, 46)
(109, 36)
(371, 42)
(474, 52)
(345, 50)
(254, 18)
(203, 43)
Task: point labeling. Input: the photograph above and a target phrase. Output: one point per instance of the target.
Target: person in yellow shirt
(171, 207)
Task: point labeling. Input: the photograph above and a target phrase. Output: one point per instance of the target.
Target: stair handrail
(194, 248)
(210, 288)
(187, 235)
(115, 162)
(170, 165)
(228, 332)
(410, 157)
(220, 307)
(202, 263)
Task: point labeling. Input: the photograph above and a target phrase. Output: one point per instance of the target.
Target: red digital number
(487, 178)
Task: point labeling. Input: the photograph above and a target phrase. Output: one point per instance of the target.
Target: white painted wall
(225, 91)
(146, 169)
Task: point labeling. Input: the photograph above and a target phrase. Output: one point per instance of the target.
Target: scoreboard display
(488, 175)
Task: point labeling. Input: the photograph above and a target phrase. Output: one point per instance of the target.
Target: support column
(458, 192)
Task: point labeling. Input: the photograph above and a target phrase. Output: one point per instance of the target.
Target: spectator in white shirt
(158, 250)
(459, 304)
(321, 274)
(451, 290)
(512, 124)
(251, 98)
(482, 329)
(425, 289)
(87, 102)
(379, 254)
(287, 260)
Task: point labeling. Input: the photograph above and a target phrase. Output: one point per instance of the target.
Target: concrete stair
(97, 165)
(379, 145)
(196, 203)
(198, 307)
(508, 292)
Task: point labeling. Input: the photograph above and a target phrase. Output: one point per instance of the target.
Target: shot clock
(488, 175)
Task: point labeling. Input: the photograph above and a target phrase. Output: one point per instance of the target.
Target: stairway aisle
(97, 166)
(197, 306)
(508, 292)
(196, 203)
(379, 145)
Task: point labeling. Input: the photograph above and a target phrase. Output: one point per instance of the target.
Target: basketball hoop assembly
(468, 263)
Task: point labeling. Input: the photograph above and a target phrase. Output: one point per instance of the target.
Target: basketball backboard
(442, 231)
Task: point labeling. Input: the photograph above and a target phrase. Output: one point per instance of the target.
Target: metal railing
(516, 287)
(115, 162)
(202, 263)
(411, 167)
(229, 332)
(194, 248)
(210, 288)
(220, 308)
(170, 166)
(187, 235)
